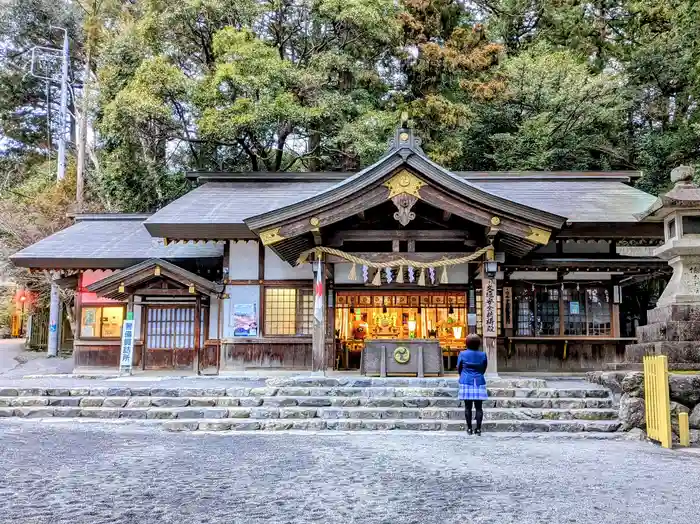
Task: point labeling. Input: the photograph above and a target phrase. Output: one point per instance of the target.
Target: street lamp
(23, 300)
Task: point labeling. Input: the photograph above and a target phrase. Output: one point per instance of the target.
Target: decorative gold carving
(404, 203)
(271, 236)
(539, 236)
(402, 355)
(495, 221)
(404, 182)
(315, 222)
(403, 137)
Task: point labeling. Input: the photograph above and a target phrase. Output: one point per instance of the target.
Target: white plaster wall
(278, 269)
(243, 260)
(137, 321)
(533, 275)
(589, 275)
(213, 317)
(239, 295)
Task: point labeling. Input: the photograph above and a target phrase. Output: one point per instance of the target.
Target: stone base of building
(674, 331)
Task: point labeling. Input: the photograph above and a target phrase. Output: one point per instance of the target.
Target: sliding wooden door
(171, 340)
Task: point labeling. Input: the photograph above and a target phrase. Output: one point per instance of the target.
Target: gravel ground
(92, 473)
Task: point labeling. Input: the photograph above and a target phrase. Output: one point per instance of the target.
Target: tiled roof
(577, 199)
(109, 242)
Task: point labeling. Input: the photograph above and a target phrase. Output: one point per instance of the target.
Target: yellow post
(684, 429)
(657, 399)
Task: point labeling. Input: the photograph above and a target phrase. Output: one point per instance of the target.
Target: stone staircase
(299, 403)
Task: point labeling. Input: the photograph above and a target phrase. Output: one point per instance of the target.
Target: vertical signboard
(127, 353)
(490, 304)
(508, 307)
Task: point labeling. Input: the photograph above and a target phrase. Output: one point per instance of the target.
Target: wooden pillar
(197, 331)
(489, 311)
(318, 340)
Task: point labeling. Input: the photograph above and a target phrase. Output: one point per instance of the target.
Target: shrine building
(302, 270)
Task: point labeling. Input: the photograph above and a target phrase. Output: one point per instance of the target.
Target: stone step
(437, 414)
(388, 424)
(304, 401)
(442, 392)
(365, 382)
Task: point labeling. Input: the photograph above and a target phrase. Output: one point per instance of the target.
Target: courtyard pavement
(96, 473)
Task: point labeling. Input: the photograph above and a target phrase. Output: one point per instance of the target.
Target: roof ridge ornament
(404, 140)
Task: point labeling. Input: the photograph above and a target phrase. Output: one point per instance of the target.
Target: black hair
(473, 342)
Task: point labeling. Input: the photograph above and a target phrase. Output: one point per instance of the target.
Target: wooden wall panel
(581, 356)
(268, 353)
(97, 356)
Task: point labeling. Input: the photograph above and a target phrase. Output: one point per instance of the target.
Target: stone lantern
(673, 327)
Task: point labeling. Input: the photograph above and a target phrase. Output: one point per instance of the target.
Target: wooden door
(170, 341)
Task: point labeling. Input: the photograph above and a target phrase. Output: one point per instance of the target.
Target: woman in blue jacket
(471, 366)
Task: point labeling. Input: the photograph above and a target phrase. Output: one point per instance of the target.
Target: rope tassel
(443, 276)
(377, 281)
(421, 278)
(353, 272)
(399, 276)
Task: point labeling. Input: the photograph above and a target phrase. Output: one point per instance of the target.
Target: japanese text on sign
(127, 352)
(490, 303)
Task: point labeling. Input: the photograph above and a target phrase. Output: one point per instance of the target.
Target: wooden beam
(161, 292)
(348, 208)
(478, 215)
(446, 215)
(380, 235)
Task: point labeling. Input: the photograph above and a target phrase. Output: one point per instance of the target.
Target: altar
(402, 357)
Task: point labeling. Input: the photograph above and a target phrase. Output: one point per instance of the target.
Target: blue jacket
(471, 365)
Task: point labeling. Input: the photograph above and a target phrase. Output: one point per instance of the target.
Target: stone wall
(628, 389)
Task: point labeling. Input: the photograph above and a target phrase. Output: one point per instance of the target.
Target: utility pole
(45, 55)
(64, 109)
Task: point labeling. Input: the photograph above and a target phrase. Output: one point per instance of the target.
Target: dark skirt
(472, 392)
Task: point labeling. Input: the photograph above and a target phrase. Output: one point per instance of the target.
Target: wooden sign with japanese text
(489, 303)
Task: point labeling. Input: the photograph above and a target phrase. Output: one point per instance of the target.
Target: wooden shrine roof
(144, 272)
(106, 242)
(218, 209)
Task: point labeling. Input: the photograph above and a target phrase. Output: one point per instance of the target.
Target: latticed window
(574, 312)
(598, 307)
(585, 311)
(547, 311)
(288, 311)
(524, 313)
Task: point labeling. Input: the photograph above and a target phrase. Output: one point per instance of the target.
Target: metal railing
(657, 403)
